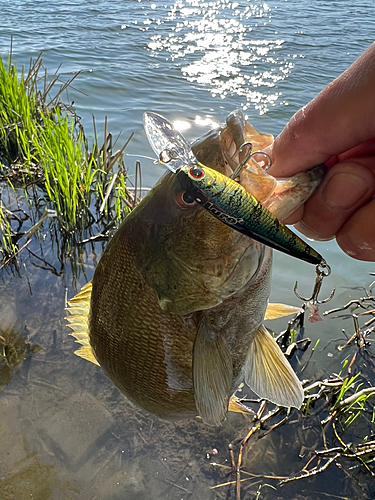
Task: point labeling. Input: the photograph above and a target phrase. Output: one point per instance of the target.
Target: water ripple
(217, 44)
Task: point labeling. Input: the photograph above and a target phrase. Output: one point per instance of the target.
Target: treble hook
(247, 157)
(322, 270)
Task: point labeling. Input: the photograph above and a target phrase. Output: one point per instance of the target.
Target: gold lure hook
(322, 270)
(247, 157)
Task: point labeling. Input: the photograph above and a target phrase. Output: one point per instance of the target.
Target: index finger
(336, 120)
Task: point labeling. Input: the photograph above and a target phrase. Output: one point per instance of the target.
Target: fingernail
(343, 191)
(309, 233)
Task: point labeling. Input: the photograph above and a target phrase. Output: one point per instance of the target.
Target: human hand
(336, 128)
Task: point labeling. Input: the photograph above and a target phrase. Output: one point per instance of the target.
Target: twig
(351, 399)
(15, 253)
(313, 472)
(357, 302)
(174, 484)
(231, 454)
(278, 424)
(228, 483)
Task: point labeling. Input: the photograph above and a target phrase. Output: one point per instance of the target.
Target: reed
(43, 144)
(7, 247)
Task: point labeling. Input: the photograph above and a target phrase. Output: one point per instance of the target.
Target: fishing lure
(229, 202)
(222, 196)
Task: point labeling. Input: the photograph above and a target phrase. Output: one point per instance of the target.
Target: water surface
(66, 431)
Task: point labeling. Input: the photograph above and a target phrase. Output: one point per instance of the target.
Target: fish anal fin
(269, 374)
(87, 354)
(236, 406)
(212, 374)
(275, 311)
(78, 321)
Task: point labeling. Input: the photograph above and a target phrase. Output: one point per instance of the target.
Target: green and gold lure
(229, 202)
(222, 196)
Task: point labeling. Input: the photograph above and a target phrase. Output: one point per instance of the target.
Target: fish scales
(123, 332)
(177, 301)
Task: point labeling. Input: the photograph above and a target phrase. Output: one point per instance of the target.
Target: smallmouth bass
(174, 312)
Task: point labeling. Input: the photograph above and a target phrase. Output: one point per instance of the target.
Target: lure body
(229, 202)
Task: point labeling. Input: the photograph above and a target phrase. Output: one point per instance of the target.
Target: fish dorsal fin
(269, 374)
(275, 311)
(212, 374)
(78, 321)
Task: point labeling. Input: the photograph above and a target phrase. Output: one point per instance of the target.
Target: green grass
(17, 114)
(43, 144)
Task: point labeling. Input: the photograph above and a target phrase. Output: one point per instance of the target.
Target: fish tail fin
(275, 311)
(269, 374)
(78, 321)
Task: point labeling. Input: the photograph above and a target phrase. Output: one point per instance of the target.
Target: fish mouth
(232, 137)
(238, 138)
(219, 148)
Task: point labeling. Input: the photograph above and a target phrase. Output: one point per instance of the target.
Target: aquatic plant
(7, 246)
(18, 112)
(340, 403)
(44, 151)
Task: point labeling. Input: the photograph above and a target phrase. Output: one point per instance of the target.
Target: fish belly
(146, 352)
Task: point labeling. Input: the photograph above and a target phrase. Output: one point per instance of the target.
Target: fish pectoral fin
(269, 374)
(275, 311)
(212, 375)
(78, 321)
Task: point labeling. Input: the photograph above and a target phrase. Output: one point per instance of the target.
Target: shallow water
(66, 431)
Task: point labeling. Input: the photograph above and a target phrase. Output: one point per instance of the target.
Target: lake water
(66, 432)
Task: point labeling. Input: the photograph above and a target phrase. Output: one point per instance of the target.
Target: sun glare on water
(226, 47)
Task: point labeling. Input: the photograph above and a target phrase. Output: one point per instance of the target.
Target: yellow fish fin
(275, 311)
(212, 374)
(78, 321)
(236, 406)
(85, 352)
(269, 374)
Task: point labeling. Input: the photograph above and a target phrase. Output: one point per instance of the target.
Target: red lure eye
(196, 172)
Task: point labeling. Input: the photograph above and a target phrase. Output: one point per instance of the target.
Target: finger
(338, 119)
(366, 149)
(346, 187)
(357, 236)
(295, 216)
(363, 153)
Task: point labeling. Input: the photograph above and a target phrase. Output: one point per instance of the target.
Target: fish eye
(184, 200)
(196, 172)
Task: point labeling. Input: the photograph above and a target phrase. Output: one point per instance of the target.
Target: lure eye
(184, 200)
(196, 172)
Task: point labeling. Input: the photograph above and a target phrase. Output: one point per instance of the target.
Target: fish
(174, 313)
